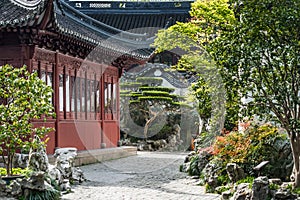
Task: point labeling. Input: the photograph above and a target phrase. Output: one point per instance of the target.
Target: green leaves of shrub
(16, 171)
(248, 179)
(193, 170)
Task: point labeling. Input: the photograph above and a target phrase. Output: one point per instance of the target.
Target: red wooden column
(56, 98)
(102, 80)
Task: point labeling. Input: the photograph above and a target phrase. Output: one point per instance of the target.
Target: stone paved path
(147, 176)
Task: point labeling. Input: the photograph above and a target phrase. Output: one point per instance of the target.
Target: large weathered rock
(284, 192)
(210, 175)
(281, 160)
(260, 188)
(2, 188)
(276, 181)
(234, 172)
(16, 188)
(226, 195)
(65, 185)
(204, 157)
(65, 163)
(44, 174)
(242, 192)
(284, 195)
(38, 159)
(35, 182)
(21, 160)
(55, 174)
(77, 175)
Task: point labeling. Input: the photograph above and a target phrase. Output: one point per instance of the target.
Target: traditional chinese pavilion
(80, 48)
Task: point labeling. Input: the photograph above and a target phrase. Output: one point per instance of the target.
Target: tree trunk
(8, 164)
(295, 144)
(149, 122)
(146, 129)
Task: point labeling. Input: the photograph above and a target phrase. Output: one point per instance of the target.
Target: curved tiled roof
(134, 22)
(70, 22)
(74, 23)
(108, 31)
(20, 12)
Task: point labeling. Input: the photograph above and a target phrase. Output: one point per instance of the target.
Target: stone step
(100, 155)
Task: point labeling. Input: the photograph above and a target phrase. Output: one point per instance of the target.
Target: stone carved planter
(9, 179)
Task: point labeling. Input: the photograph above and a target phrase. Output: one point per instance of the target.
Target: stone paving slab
(146, 176)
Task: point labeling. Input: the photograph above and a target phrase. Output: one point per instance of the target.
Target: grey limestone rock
(242, 192)
(38, 159)
(16, 188)
(260, 188)
(234, 172)
(65, 163)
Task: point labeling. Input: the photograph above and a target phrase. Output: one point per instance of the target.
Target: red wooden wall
(94, 120)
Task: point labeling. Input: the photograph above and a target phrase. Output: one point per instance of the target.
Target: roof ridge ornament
(27, 4)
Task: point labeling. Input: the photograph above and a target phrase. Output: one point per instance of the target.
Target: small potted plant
(23, 98)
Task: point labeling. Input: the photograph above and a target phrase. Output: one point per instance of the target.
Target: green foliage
(201, 182)
(209, 189)
(289, 187)
(273, 186)
(212, 91)
(261, 49)
(157, 133)
(248, 179)
(24, 97)
(181, 168)
(201, 91)
(48, 194)
(152, 107)
(182, 105)
(16, 171)
(159, 88)
(155, 98)
(257, 144)
(296, 191)
(223, 179)
(124, 92)
(156, 93)
(193, 169)
(152, 81)
(129, 85)
(221, 189)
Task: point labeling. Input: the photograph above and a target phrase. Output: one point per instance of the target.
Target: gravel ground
(153, 176)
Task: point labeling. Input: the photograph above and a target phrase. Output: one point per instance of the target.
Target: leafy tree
(257, 50)
(209, 19)
(264, 47)
(150, 109)
(24, 97)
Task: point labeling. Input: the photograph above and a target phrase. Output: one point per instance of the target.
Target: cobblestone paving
(147, 176)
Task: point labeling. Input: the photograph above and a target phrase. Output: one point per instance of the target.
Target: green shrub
(273, 186)
(155, 81)
(221, 189)
(16, 171)
(181, 168)
(209, 189)
(48, 194)
(129, 85)
(223, 179)
(296, 191)
(257, 144)
(160, 88)
(193, 169)
(248, 179)
(155, 98)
